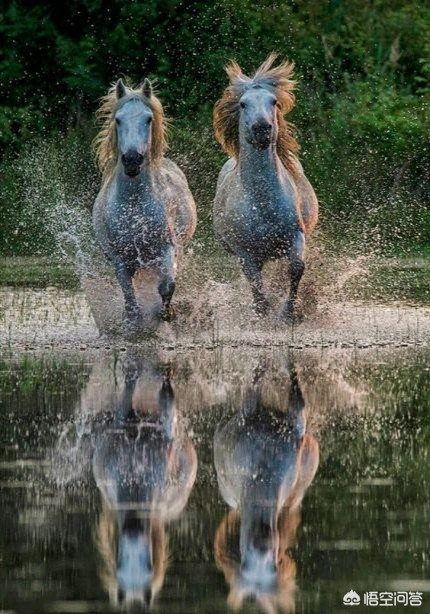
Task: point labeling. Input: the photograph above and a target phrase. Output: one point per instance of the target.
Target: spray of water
(213, 300)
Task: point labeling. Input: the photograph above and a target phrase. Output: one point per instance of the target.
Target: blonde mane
(227, 558)
(226, 113)
(106, 539)
(105, 143)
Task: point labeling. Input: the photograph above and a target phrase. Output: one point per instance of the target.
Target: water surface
(199, 480)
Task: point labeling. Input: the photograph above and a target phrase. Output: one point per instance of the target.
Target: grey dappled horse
(264, 461)
(145, 468)
(264, 205)
(144, 212)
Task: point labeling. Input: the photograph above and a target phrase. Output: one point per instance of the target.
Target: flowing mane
(105, 145)
(226, 113)
(227, 558)
(106, 540)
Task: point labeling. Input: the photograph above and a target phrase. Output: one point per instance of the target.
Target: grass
(395, 279)
(36, 272)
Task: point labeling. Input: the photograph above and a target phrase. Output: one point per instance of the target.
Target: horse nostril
(262, 128)
(132, 158)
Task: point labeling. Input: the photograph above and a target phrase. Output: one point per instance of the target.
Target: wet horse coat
(144, 213)
(264, 205)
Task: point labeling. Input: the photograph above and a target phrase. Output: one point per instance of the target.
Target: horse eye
(149, 120)
(274, 102)
(117, 121)
(242, 104)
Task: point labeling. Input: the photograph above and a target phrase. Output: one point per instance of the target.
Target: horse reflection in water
(265, 461)
(145, 469)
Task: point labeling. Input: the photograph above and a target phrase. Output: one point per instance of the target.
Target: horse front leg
(132, 314)
(296, 270)
(166, 287)
(252, 270)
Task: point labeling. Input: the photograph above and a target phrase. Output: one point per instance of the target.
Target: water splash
(213, 299)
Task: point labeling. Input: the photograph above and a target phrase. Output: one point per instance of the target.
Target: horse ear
(147, 88)
(120, 89)
(234, 71)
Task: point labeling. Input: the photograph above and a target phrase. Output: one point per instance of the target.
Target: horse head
(252, 108)
(141, 560)
(258, 118)
(133, 129)
(133, 119)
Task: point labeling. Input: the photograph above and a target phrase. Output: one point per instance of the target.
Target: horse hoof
(292, 312)
(132, 329)
(133, 322)
(262, 308)
(168, 314)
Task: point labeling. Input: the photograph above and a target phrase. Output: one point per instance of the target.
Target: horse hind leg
(166, 289)
(296, 405)
(296, 269)
(166, 399)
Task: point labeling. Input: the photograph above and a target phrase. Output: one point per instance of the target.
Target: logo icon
(351, 598)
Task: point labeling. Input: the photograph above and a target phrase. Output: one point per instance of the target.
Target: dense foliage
(363, 68)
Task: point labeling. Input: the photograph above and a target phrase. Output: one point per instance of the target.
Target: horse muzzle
(132, 162)
(261, 135)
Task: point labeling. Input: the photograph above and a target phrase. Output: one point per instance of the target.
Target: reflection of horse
(145, 469)
(265, 461)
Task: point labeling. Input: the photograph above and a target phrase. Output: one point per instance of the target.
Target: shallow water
(120, 474)
(31, 319)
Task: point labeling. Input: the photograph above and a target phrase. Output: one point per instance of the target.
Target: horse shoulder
(103, 197)
(171, 167)
(180, 477)
(226, 172)
(227, 180)
(306, 467)
(171, 176)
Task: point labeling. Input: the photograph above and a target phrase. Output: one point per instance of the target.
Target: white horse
(144, 212)
(264, 205)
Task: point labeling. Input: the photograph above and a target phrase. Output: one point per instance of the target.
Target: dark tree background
(363, 115)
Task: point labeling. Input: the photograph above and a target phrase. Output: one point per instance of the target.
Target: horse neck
(141, 187)
(255, 516)
(259, 169)
(129, 520)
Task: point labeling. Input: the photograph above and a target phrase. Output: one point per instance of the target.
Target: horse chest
(266, 223)
(136, 232)
(258, 458)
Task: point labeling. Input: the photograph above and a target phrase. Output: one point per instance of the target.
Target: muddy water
(197, 480)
